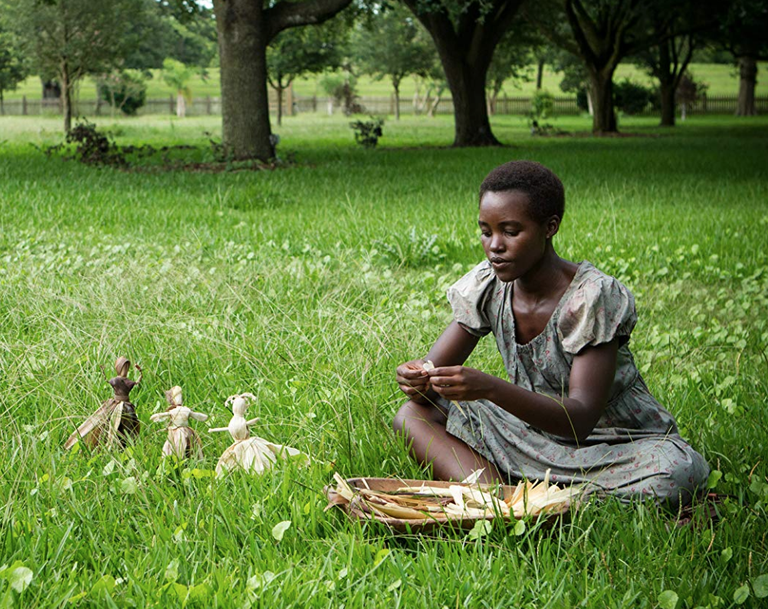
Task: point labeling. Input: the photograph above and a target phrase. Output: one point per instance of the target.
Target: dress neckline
(582, 267)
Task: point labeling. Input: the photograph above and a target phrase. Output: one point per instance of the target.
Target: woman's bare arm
(453, 347)
(573, 416)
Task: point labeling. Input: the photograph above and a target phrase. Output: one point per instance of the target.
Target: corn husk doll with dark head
(116, 420)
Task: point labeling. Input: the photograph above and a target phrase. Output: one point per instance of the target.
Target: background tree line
(469, 47)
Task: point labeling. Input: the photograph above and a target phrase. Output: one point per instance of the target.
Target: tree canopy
(68, 39)
(393, 45)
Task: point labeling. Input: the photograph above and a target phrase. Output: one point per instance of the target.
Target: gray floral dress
(633, 451)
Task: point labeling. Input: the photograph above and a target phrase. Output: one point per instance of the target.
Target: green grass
(722, 80)
(307, 286)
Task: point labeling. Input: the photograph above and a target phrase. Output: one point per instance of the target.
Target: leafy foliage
(631, 97)
(689, 90)
(12, 66)
(177, 76)
(124, 90)
(307, 50)
(393, 45)
(341, 87)
(367, 133)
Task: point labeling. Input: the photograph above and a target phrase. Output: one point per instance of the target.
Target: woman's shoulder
(591, 283)
(477, 279)
(470, 297)
(596, 309)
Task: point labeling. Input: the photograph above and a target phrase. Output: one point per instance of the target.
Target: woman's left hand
(461, 383)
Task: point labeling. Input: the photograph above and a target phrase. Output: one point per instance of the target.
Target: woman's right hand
(414, 380)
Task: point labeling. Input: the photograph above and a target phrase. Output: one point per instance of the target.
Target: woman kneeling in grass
(574, 403)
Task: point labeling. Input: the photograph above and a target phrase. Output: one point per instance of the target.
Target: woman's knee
(411, 413)
(682, 474)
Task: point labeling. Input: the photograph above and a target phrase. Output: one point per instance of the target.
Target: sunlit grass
(307, 286)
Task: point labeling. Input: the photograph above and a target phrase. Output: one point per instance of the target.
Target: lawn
(307, 285)
(722, 79)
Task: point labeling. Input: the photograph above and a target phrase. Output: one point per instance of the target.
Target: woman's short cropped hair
(544, 189)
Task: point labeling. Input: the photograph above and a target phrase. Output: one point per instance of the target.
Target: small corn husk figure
(183, 441)
(251, 454)
(116, 420)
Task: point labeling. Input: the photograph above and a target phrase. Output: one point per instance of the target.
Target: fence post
(170, 103)
(208, 104)
(314, 103)
(704, 102)
(23, 105)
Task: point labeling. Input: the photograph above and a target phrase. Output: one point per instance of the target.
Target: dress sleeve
(598, 311)
(469, 296)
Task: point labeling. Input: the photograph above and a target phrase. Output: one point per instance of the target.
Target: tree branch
(284, 15)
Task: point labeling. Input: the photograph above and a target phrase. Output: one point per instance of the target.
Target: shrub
(342, 90)
(630, 97)
(542, 104)
(367, 133)
(93, 147)
(125, 91)
(689, 91)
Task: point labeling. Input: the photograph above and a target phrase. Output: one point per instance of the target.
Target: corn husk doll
(250, 453)
(116, 420)
(183, 441)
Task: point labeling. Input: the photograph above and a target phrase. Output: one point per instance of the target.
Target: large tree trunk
(467, 84)
(604, 117)
(667, 98)
(244, 101)
(466, 44)
(747, 82)
(667, 84)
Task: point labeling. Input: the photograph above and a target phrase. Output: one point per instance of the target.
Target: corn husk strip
(434, 491)
(399, 511)
(428, 365)
(412, 502)
(343, 487)
(474, 476)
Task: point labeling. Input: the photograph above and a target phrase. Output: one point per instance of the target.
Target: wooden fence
(385, 105)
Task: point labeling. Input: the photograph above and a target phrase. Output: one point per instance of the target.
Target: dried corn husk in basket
(412, 504)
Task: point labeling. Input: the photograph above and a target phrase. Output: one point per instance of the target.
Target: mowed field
(721, 79)
(306, 285)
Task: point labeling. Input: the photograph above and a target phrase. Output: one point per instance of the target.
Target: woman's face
(513, 241)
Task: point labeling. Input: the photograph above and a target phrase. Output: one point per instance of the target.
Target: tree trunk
(667, 95)
(66, 96)
(747, 82)
(433, 106)
(396, 86)
(604, 117)
(181, 105)
(243, 56)
(539, 74)
(467, 84)
(279, 91)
